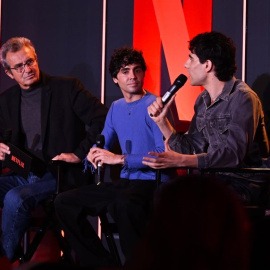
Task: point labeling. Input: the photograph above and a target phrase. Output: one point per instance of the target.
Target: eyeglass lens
(20, 67)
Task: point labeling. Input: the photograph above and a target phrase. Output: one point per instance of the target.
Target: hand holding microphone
(156, 108)
(100, 142)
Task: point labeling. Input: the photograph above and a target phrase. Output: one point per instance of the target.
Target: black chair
(49, 222)
(41, 224)
(109, 230)
(108, 226)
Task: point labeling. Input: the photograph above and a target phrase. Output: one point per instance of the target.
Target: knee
(120, 206)
(16, 199)
(65, 200)
(58, 201)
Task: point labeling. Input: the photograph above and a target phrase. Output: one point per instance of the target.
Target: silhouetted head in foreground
(198, 223)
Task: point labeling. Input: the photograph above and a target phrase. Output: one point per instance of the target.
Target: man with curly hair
(129, 199)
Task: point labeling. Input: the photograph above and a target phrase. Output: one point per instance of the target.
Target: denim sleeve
(192, 142)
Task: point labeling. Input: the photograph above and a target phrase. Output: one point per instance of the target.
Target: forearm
(188, 161)
(119, 159)
(165, 127)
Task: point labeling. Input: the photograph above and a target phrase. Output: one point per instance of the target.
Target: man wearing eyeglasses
(46, 117)
(26, 74)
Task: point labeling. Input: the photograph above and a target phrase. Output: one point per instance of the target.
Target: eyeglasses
(20, 67)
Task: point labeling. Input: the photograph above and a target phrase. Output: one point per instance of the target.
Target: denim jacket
(230, 132)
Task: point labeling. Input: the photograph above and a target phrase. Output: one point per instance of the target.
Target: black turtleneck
(31, 118)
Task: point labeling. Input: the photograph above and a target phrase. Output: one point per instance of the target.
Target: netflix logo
(16, 160)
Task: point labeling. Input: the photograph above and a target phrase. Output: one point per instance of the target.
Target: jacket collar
(227, 90)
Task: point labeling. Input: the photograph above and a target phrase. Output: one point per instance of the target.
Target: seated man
(227, 129)
(129, 199)
(45, 116)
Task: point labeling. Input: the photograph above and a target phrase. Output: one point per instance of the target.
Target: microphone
(100, 142)
(178, 83)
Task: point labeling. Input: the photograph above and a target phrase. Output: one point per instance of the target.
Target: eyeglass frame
(30, 62)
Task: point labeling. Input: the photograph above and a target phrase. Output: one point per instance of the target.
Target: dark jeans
(128, 202)
(18, 197)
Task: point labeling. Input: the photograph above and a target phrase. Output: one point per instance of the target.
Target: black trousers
(129, 203)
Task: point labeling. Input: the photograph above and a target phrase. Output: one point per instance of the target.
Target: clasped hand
(67, 157)
(4, 149)
(101, 156)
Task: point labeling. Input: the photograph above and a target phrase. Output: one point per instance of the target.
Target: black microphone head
(100, 140)
(178, 83)
(180, 80)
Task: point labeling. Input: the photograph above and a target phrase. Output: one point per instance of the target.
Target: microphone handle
(99, 174)
(168, 95)
(99, 168)
(100, 143)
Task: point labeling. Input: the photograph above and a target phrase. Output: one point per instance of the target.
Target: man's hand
(163, 160)
(4, 149)
(102, 156)
(67, 157)
(158, 111)
(170, 159)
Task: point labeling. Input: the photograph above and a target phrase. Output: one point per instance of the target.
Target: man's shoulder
(149, 98)
(11, 91)
(118, 103)
(243, 89)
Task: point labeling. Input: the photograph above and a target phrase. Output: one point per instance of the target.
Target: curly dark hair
(125, 56)
(217, 48)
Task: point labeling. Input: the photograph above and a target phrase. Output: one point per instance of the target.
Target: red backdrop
(172, 25)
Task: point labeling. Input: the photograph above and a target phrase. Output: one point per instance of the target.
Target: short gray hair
(13, 45)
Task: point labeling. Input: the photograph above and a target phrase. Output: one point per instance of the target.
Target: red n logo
(171, 25)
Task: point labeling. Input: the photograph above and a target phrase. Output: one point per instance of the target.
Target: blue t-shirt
(137, 134)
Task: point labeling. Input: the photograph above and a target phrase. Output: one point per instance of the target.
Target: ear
(115, 80)
(208, 65)
(9, 73)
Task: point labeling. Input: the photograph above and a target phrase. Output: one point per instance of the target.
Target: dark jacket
(66, 109)
(227, 133)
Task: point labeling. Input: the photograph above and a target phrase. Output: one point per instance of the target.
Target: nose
(27, 68)
(132, 74)
(186, 65)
